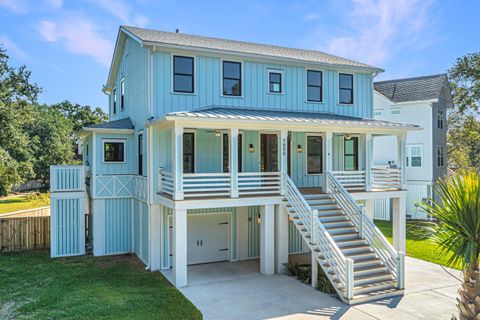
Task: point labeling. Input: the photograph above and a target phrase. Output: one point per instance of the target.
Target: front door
(268, 152)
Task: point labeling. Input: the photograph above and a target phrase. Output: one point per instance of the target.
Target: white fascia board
(220, 203)
(415, 102)
(106, 130)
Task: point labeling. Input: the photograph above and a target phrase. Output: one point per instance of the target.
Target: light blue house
(220, 150)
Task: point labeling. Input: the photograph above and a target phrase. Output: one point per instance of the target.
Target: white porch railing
(165, 182)
(386, 179)
(393, 260)
(67, 178)
(336, 266)
(261, 183)
(351, 180)
(206, 184)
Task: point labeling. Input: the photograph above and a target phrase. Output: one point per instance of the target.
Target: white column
(180, 247)
(267, 240)
(314, 265)
(177, 162)
(401, 146)
(155, 236)
(328, 156)
(368, 161)
(281, 238)
(233, 162)
(283, 144)
(399, 223)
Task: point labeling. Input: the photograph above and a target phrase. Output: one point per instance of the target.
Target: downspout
(149, 155)
(374, 74)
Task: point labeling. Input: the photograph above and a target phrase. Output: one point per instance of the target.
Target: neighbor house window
(439, 119)
(314, 86)
(113, 151)
(183, 74)
(395, 112)
(114, 101)
(275, 82)
(122, 94)
(232, 78)
(351, 154)
(140, 154)
(226, 153)
(345, 88)
(414, 155)
(314, 154)
(440, 156)
(188, 152)
(378, 113)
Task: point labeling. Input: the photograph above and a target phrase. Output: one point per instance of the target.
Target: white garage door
(208, 238)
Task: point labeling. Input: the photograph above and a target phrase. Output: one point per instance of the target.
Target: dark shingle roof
(116, 124)
(412, 89)
(187, 40)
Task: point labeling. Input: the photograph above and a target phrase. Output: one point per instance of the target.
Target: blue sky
(68, 44)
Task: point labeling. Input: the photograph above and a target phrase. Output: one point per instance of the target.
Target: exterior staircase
(356, 257)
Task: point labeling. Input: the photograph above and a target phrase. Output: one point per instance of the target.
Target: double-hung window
(122, 94)
(414, 155)
(440, 156)
(345, 86)
(114, 151)
(188, 152)
(183, 74)
(314, 86)
(439, 119)
(314, 155)
(350, 157)
(232, 78)
(275, 81)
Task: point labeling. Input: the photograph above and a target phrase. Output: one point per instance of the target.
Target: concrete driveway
(237, 291)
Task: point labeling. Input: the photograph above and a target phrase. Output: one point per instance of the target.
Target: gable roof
(412, 89)
(125, 123)
(148, 37)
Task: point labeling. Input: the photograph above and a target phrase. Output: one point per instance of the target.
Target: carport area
(236, 290)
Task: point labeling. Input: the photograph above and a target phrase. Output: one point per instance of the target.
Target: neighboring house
(423, 101)
(226, 150)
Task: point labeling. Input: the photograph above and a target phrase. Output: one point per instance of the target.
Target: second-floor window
(122, 94)
(439, 119)
(183, 74)
(140, 154)
(275, 81)
(114, 101)
(440, 156)
(189, 152)
(232, 78)
(314, 86)
(345, 85)
(414, 155)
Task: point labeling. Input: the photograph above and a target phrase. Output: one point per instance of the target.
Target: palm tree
(457, 233)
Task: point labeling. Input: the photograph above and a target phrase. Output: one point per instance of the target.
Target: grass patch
(24, 202)
(424, 249)
(34, 286)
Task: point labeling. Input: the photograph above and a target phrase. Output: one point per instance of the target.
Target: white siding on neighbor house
(415, 194)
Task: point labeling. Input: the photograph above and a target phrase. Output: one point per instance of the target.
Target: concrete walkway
(237, 291)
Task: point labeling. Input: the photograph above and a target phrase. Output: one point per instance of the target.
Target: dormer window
(183, 74)
(114, 100)
(232, 78)
(275, 81)
(122, 94)
(345, 88)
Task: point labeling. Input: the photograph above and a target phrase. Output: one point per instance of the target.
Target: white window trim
(408, 154)
(179, 54)
(122, 93)
(282, 81)
(338, 89)
(114, 100)
(306, 85)
(305, 151)
(124, 141)
(359, 152)
(242, 86)
(443, 155)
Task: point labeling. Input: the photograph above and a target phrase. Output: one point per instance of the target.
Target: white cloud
(79, 36)
(54, 4)
(379, 29)
(16, 6)
(123, 11)
(13, 49)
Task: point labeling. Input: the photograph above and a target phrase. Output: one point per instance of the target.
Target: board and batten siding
(127, 167)
(118, 226)
(208, 84)
(140, 230)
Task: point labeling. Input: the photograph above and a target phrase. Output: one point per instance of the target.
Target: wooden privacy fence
(17, 234)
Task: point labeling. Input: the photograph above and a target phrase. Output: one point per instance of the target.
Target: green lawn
(23, 202)
(34, 286)
(416, 248)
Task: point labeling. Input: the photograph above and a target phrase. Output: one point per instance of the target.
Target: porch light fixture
(251, 148)
(348, 136)
(218, 133)
(299, 148)
(258, 219)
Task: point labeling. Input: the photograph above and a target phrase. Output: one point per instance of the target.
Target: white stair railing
(336, 266)
(393, 260)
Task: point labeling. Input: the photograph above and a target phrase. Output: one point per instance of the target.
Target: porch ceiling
(285, 118)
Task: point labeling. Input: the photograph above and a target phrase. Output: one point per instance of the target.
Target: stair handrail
(341, 266)
(379, 243)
